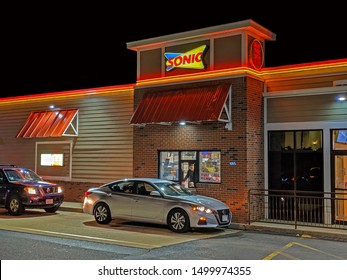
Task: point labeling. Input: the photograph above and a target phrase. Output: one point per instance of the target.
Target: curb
(71, 209)
(304, 233)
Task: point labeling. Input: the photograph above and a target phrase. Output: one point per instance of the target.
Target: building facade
(78, 138)
(205, 112)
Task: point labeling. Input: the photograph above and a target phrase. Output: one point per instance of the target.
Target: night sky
(55, 48)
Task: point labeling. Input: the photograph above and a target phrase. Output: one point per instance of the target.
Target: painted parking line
(280, 252)
(83, 237)
(289, 256)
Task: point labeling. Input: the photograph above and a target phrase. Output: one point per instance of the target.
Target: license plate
(225, 218)
(49, 201)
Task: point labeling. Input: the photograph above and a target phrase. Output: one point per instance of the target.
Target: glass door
(339, 173)
(295, 175)
(340, 170)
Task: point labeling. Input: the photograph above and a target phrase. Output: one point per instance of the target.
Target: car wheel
(52, 209)
(178, 221)
(15, 206)
(102, 213)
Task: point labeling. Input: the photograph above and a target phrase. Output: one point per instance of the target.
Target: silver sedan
(156, 201)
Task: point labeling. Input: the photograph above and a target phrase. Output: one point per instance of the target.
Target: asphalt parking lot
(77, 225)
(70, 222)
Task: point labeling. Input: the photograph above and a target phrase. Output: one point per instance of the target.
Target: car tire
(102, 213)
(178, 221)
(15, 206)
(52, 209)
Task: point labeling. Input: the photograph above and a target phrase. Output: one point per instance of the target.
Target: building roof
(213, 31)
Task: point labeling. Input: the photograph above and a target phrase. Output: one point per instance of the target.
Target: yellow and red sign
(193, 59)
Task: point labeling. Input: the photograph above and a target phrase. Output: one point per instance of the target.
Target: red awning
(54, 123)
(190, 105)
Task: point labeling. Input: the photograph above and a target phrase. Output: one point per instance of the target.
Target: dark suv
(22, 188)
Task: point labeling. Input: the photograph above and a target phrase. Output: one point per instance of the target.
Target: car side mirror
(155, 193)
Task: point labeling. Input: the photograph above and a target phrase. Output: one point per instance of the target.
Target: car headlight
(201, 208)
(31, 190)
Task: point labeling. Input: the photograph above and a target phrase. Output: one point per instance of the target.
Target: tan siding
(103, 150)
(303, 83)
(150, 64)
(305, 108)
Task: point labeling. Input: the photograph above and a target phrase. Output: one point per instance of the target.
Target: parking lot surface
(77, 225)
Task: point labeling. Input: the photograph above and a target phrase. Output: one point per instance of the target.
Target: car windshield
(22, 175)
(173, 189)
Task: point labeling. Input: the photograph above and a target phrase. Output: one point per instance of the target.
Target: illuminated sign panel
(193, 59)
(52, 160)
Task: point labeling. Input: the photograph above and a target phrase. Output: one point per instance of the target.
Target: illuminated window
(52, 160)
(169, 166)
(190, 167)
(340, 139)
(210, 163)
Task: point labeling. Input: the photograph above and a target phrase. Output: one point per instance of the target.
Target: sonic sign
(193, 59)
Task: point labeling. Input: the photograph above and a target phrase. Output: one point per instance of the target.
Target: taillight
(86, 194)
(87, 200)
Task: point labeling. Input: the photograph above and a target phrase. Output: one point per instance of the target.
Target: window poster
(210, 162)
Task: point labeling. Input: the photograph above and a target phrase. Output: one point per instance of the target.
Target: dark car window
(29, 175)
(13, 175)
(22, 174)
(126, 187)
(144, 188)
(115, 188)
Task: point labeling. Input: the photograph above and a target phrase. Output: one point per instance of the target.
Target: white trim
(227, 108)
(339, 83)
(73, 125)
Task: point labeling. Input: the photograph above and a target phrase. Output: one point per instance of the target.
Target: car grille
(48, 190)
(221, 213)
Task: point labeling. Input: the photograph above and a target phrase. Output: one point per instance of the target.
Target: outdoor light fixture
(51, 106)
(341, 98)
(182, 123)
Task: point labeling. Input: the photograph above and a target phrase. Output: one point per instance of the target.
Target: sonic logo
(192, 59)
(256, 54)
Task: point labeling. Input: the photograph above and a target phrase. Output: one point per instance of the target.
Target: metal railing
(316, 209)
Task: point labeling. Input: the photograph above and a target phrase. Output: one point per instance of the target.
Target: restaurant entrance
(296, 175)
(339, 174)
